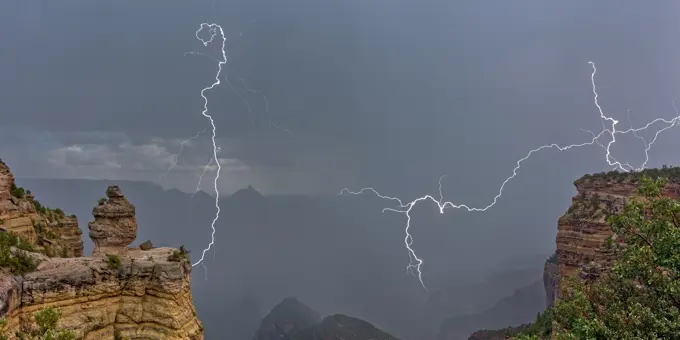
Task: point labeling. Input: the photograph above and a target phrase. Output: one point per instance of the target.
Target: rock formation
(145, 297)
(114, 226)
(286, 319)
(582, 230)
(550, 279)
(292, 320)
(54, 233)
(146, 245)
(128, 294)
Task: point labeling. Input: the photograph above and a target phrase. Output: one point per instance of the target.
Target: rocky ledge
(142, 295)
(118, 293)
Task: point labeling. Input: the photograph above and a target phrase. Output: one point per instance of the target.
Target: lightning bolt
(415, 263)
(266, 108)
(200, 179)
(213, 30)
(176, 156)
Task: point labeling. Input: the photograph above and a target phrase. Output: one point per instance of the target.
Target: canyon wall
(582, 230)
(117, 293)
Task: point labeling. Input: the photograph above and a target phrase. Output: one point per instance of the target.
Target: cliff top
(633, 177)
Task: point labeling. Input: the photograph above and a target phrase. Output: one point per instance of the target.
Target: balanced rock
(114, 226)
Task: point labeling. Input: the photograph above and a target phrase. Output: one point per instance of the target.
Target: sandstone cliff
(118, 293)
(114, 226)
(582, 230)
(54, 233)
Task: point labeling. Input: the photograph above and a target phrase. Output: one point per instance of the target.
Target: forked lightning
(415, 262)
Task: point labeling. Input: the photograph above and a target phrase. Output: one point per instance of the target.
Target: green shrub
(18, 262)
(113, 261)
(101, 201)
(639, 296)
(18, 192)
(539, 329)
(46, 321)
(179, 255)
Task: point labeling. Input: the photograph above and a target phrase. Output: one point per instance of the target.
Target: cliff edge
(117, 293)
(583, 229)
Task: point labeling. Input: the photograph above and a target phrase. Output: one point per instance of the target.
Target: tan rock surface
(50, 230)
(146, 297)
(114, 226)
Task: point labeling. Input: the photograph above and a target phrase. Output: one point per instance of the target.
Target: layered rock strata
(114, 226)
(145, 297)
(127, 294)
(50, 230)
(582, 230)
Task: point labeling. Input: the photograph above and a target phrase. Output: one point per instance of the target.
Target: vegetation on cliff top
(639, 297)
(671, 173)
(17, 260)
(22, 193)
(179, 255)
(45, 327)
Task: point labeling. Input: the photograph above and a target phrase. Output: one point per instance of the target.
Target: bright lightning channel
(213, 30)
(415, 262)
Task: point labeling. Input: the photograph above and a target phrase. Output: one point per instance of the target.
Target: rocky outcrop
(550, 279)
(127, 294)
(6, 182)
(146, 296)
(114, 226)
(287, 319)
(583, 229)
(292, 320)
(54, 233)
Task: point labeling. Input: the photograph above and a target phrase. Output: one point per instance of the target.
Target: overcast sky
(386, 93)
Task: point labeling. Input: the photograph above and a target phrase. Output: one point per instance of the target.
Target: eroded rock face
(582, 230)
(50, 230)
(146, 297)
(550, 280)
(114, 227)
(6, 181)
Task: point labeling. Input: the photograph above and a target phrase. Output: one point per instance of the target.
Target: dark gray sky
(384, 93)
(391, 94)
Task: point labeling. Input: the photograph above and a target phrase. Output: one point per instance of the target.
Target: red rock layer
(582, 230)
